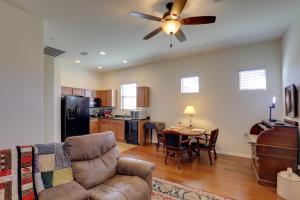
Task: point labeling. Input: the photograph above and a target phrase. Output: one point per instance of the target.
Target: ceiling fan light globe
(171, 26)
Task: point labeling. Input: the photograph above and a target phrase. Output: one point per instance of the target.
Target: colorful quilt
(53, 166)
(16, 174)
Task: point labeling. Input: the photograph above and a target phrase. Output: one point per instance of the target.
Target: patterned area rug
(166, 190)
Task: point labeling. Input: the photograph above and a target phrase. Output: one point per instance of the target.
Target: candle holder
(270, 114)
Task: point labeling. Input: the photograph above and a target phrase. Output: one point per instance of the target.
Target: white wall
(52, 94)
(21, 77)
(80, 77)
(291, 57)
(219, 103)
(291, 61)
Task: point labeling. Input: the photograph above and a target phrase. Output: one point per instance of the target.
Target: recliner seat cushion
(67, 191)
(121, 188)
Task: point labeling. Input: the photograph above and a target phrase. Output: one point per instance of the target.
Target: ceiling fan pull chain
(171, 40)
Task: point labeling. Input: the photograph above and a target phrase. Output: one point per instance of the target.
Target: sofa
(100, 174)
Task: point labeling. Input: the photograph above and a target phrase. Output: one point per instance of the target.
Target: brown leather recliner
(99, 173)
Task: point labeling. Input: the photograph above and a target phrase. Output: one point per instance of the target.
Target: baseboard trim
(234, 154)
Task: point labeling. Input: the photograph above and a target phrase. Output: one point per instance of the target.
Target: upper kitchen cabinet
(78, 92)
(108, 97)
(142, 97)
(111, 98)
(66, 91)
(90, 93)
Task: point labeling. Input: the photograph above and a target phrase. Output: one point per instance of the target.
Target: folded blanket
(53, 166)
(16, 174)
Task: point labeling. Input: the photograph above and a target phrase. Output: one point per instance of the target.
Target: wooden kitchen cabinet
(104, 125)
(94, 126)
(108, 97)
(78, 92)
(103, 96)
(118, 127)
(111, 98)
(142, 97)
(90, 93)
(66, 91)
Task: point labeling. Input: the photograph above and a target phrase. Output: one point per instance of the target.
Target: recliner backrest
(94, 158)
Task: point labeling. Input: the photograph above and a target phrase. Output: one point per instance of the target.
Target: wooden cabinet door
(142, 98)
(118, 127)
(113, 128)
(66, 91)
(120, 132)
(78, 92)
(94, 127)
(90, 93)
(103, 97)
(104, 125)
(108, 98)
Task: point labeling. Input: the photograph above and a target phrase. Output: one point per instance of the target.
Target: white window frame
(181, 85)
(259, 88)
(122, 96)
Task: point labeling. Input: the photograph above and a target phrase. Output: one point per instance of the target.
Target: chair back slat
(160, 126)
(213, 137)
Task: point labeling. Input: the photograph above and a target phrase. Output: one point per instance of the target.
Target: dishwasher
(131, 131)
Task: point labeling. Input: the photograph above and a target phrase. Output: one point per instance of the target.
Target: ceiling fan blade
(177, 7)
(180, 36)
(153, 33)
(198, 20)
(145, 16)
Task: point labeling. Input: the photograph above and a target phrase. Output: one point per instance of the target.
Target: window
(128, 96)
(190, 85)
(253, 80)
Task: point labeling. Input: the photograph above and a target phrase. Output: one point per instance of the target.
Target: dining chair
(207, 144)
(176, 145)
(160, 126)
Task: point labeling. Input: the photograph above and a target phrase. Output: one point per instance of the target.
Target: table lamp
(190, 110)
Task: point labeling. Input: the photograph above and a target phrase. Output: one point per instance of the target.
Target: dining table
(188, 131)
(191, 132)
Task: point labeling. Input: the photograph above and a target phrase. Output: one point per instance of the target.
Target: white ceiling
(95, 25)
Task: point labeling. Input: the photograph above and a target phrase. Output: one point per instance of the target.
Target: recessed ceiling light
(77, 61)
(99, 67)
(102, 53)
(124, 61)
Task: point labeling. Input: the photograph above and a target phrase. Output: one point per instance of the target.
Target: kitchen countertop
(115, 118)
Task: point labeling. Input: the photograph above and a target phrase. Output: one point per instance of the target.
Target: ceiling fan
(171, 21)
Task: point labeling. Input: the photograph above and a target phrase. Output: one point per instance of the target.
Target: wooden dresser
(274, 148)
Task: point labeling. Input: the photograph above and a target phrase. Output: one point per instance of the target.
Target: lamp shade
(171, 26)
(189, 110)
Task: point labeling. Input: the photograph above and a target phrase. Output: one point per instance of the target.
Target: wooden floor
(230, 176)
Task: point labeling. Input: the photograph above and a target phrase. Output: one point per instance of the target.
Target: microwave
(95, 103)
(138, 115)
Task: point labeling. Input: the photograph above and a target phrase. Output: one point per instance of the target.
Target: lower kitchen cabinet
(118, 127)
(104, 125)
(94, 126)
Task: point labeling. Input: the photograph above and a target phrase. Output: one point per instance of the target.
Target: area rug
(166, 190)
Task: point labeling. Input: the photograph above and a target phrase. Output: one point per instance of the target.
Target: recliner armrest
(134, 167)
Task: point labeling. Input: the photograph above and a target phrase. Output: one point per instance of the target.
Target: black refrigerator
(75, 116)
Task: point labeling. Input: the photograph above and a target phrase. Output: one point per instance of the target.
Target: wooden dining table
(190, 132)
(187, 131)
